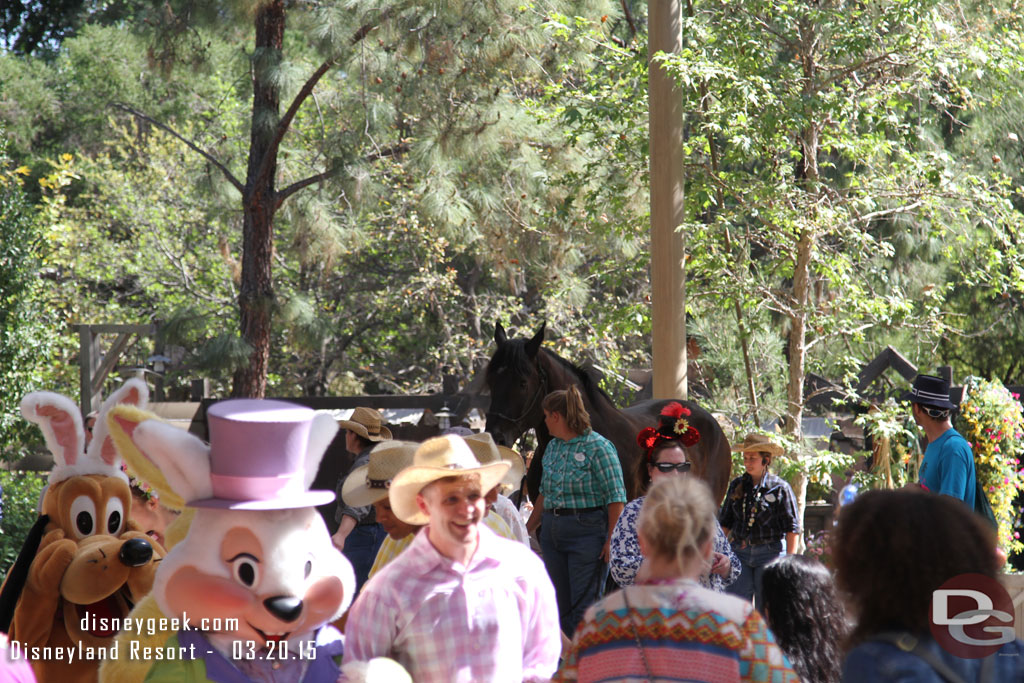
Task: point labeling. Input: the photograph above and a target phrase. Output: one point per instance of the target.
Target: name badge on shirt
(580, 457)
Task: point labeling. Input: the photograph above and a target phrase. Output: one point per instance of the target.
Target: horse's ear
(533, 346)
(499, 334)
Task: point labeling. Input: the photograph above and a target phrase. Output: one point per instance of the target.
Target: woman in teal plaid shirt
(581, 497)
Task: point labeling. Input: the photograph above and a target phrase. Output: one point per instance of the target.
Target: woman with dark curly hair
(893, 550)
(806, 616)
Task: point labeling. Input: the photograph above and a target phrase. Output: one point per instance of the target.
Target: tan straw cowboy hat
(757, 443)
(437, 458)
(486, 451)
(369, 483)
(367, 423)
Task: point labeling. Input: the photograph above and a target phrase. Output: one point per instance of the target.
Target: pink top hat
(258, 454)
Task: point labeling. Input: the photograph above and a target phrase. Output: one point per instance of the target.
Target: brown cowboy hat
(756, 443)
(437, 458)
(370, 483)
(367, 423)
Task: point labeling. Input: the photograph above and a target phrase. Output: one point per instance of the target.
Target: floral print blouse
(626, 556)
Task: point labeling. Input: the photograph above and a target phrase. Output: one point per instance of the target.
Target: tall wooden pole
(668, 256)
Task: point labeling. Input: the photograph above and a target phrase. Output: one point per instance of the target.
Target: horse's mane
(590, 387)
(512, 354)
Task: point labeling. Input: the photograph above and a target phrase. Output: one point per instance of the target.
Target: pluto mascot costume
(84, 564)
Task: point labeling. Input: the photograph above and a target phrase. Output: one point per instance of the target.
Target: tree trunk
(793, 423)
(259, 203)
(808, 178)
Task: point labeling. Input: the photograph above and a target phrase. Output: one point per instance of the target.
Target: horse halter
(541, 390)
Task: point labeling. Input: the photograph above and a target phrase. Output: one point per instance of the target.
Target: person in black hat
(948, 466)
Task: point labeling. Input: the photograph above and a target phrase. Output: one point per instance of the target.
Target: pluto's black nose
(135, 552)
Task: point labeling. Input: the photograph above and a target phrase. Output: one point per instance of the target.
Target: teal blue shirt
(582, 472)
(948, 467)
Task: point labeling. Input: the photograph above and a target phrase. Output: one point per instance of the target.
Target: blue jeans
(571, 546)
(753, 560)
(361, 546)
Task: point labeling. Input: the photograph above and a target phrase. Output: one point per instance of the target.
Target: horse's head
(517, 384)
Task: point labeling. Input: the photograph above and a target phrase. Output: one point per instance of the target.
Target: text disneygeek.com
(134, 649)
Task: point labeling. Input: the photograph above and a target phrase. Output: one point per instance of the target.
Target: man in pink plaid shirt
(461, 603)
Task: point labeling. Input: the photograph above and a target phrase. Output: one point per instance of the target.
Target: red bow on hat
(673, 426)
(681, 427)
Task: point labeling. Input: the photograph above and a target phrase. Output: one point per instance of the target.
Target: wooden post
(668, 256)
(88, 361)
(91, 371)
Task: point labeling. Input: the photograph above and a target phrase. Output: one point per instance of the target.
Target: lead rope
(636, 635)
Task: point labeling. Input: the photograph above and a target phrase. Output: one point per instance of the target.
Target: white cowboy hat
(369, 483)
(486, 451)
(367, 423)
(437, 458)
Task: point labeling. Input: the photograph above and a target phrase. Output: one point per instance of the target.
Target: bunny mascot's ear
(165, 456)
(321, 433)
(61, 424)
(134, 392)
(122, 422)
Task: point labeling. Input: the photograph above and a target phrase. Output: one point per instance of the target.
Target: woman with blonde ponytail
(667, 626)
(582, 495)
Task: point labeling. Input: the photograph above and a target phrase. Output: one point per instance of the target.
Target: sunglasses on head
(667, 467)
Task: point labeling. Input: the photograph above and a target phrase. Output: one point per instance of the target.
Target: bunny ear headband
(672, 426)
(61, 423)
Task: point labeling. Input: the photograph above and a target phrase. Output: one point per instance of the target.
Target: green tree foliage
(990, 323)
(829, 210)
(25, 337)
(451, 165)
(433, 213)
(39, 26)
(436, 87)
(20, 497)
(811, 130)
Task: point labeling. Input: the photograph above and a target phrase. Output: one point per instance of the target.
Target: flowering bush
(992, 422)
(819, 547)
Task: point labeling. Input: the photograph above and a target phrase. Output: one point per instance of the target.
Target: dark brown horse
(520, 374)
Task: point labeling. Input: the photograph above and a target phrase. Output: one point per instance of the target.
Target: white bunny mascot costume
(256, 578)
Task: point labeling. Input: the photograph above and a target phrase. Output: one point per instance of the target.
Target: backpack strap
(909, 643)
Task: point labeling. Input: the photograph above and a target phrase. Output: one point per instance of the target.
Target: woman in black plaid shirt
(759, 512)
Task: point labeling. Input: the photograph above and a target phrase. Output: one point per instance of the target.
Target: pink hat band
(256, 488)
